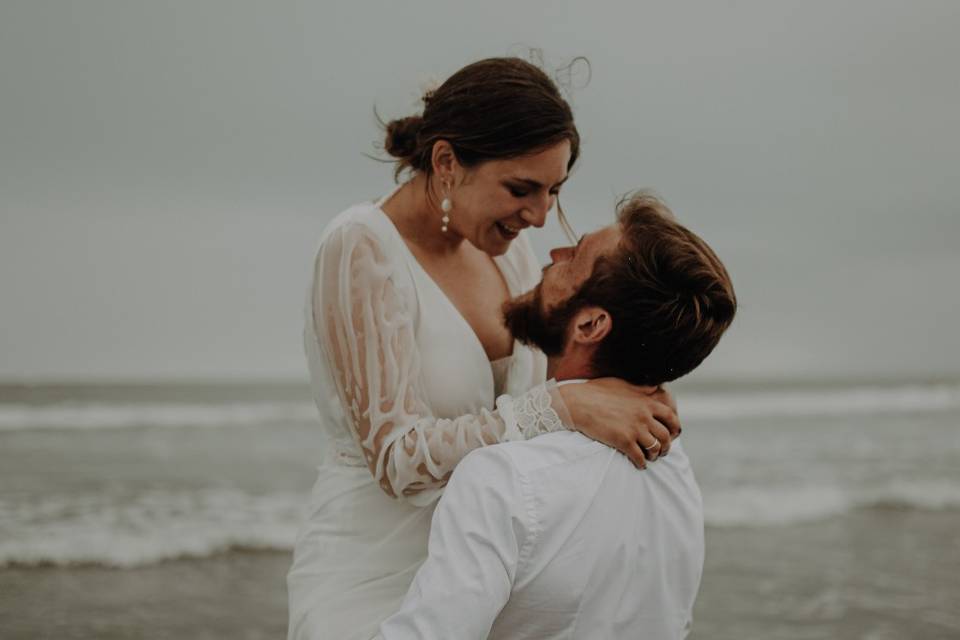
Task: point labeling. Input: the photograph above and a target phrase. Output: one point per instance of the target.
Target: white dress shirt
(559, 537)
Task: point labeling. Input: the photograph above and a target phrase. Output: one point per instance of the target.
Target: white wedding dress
(405, 391)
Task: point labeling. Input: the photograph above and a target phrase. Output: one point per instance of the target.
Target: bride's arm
(624, 416)
(364, 321)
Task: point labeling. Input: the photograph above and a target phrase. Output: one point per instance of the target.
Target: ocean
(170, 510)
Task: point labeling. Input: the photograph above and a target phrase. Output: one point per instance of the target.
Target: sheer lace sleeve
(364, 319)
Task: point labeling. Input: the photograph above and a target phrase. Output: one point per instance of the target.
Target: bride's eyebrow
(533, 184)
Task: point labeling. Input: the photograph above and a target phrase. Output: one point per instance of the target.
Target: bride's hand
(626, 417)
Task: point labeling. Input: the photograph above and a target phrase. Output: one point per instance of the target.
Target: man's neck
(563, 368)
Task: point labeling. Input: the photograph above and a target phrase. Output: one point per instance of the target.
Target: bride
(410, 363)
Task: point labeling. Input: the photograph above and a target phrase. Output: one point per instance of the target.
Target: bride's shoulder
(363, 236)
(363, 219)
(362, 224)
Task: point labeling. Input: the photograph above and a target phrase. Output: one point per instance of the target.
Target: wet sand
(238, 595)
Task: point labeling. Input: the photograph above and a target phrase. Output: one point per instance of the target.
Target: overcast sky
(166, 167)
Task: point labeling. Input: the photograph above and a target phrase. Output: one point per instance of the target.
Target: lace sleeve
(363, 316)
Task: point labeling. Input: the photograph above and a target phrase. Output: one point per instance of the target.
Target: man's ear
(591, 325)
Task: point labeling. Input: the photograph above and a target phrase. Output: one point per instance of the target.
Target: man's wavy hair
(669, 296)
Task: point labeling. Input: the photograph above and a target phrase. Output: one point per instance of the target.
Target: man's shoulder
(485, 474)
(526, 456)
(509, 474)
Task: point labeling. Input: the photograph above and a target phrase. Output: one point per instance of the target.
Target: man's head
(644, 299)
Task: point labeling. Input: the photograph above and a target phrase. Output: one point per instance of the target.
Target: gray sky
(166, 167)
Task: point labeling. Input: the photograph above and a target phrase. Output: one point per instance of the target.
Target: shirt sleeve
(364, 319)
(478, 531)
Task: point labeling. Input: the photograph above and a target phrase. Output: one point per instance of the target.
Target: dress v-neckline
(443, 294)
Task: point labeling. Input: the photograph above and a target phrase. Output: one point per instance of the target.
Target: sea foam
(693, 405)
(16, 417)
(821, 402)
(754, 505)
(154, 526)
(166, 525)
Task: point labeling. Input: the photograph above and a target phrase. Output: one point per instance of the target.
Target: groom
(560, 536)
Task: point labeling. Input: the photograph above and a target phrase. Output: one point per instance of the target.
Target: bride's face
(497, 199)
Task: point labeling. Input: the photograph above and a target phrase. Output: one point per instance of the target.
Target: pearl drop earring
(445, 206)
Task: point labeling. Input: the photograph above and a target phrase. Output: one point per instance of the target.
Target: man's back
(618, 552)
(560, 537)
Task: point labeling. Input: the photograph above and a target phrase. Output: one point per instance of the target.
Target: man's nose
(561, 254)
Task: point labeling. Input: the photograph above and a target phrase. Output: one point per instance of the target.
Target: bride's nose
(535, 215)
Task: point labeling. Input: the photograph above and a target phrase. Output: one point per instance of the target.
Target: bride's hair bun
(401, 139)
(493, 108)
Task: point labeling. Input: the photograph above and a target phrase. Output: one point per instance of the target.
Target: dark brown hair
(492, 109)
(668, 294)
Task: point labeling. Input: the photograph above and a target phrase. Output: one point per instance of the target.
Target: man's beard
(529, 323)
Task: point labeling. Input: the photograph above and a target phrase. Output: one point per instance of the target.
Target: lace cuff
(534, 413)
(558, 405)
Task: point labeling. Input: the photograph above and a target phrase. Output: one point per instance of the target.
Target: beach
(156, 512)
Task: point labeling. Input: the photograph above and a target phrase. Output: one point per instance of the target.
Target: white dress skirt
(404, 388)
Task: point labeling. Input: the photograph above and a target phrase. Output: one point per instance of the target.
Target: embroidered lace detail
(535, 415)
(362, 321)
